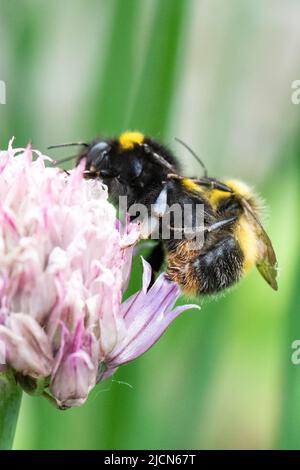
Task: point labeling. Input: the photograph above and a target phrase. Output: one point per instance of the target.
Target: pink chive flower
(64, 263)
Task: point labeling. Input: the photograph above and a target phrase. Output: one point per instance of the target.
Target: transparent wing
(267, 262)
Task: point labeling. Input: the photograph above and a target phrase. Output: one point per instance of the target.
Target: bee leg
(160, 205)
(220, 224)
(212, 184)
(152, 225)
(206, 182)
(209, 228)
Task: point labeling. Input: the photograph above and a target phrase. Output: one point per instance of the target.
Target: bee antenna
(194, 155)
(66, 159)
(71, 144)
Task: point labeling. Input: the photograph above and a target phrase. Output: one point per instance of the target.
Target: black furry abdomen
(219, 268)
(209, 272)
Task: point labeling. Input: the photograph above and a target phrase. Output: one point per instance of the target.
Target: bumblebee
(230, 252)
(234, 239)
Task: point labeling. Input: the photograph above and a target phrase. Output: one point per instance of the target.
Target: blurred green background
(218, 75)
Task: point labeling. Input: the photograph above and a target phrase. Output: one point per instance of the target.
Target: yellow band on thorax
(128, 140)
(190, 185)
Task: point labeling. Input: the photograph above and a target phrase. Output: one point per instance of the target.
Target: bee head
(97, 157)
(114, 158)
(131, 164)
(240, 191)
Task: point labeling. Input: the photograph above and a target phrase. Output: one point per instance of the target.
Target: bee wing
(267, 262)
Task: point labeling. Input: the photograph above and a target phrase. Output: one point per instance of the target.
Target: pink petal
(147, 315)
(27, 348)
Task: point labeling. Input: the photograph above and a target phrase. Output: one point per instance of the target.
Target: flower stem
(10, 400)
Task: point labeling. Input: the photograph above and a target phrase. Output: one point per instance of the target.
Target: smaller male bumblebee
(145, 171)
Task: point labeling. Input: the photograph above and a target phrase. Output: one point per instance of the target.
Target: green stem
(10, 400)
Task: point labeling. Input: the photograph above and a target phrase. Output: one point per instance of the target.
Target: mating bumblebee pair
(234, 240)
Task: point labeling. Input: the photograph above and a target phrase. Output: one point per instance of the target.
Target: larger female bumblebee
(230, 252)
(140, 168)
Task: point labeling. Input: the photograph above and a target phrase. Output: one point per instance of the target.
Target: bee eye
(100, 146)
(98, 152)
